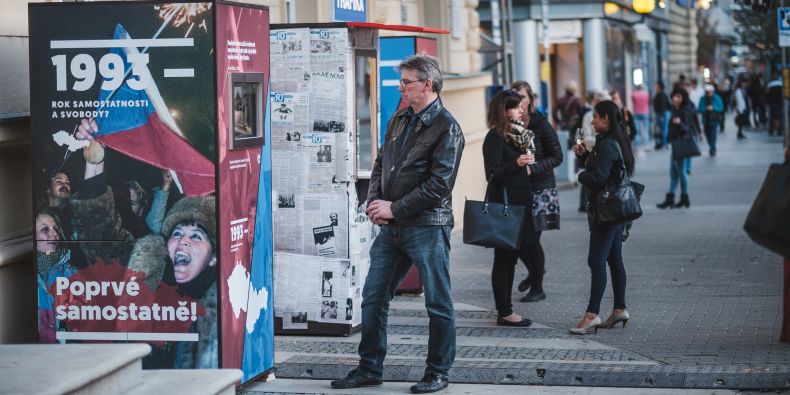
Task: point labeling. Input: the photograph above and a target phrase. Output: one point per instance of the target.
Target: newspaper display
(295, 292)
(322, 290)
(290, 119)
(331, 68)
(319, 152)
(326, 225)
(290, 60)
(321, 235)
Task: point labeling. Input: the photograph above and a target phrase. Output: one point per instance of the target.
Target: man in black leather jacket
(410, 197)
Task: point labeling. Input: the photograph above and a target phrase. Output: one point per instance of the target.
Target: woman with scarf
(545, 198)
(508, 150)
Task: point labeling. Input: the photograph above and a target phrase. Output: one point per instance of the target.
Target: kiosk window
(247, 106)
(366, 112)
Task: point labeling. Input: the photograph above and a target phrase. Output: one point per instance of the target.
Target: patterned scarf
(521, 137)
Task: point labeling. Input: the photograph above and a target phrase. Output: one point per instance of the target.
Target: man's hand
(380, 212)
(579, 149)
(86, 129)
(167, 179)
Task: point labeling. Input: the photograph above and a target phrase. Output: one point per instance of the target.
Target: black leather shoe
(536, 297)
(525, 322)
(523, 286)
(431, 382)
(355, 380)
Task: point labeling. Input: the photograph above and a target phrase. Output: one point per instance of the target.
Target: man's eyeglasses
(407, 82)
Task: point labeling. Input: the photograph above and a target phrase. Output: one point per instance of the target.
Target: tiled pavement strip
(704, 301)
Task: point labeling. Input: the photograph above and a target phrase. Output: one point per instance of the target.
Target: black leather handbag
(494, 225)
(619, 204)
(768, 220)
(685, 148)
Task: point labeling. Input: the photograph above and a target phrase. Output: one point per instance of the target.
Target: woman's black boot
(668, 202)
(684, 201)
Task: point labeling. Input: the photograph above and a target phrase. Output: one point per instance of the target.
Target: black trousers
(606, 247)
(504, 269)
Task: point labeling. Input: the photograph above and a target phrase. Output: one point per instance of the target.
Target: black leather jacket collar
(419, 178)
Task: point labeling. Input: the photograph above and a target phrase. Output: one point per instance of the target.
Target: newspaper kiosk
(325, 135)
(157, 227)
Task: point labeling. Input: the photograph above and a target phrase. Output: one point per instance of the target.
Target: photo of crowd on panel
(126, 213)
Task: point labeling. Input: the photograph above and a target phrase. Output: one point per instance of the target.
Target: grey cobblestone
(466, 352)
(521, 333)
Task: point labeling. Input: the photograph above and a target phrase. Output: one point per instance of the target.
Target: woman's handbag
(619, 204)
(685, 147)
(768, 219)
(494, 225)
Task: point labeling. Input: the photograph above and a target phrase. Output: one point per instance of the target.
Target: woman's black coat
(603, 166)
(548, 153)
(685, 128)
(499, 158)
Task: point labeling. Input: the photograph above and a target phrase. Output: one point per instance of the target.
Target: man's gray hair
(427, 68)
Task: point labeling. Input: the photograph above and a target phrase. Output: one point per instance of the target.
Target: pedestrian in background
(625, 114)
(681, 125)
(695, 92)
(507, 155)
(773, 98)
(756, 93)
(568, 107)
(410, 196)
(741, 107)
(712, 110)
(661, 108)
(545, 197)
(605, 165)
(641, 102)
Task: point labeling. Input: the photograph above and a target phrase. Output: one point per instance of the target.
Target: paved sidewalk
(705, 302)
(320, 386)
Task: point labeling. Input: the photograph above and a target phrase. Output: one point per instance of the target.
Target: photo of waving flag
(148, 132)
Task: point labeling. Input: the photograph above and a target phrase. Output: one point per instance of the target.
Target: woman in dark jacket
(681, 125)
(545, 198)
(506, 166)
(610, 157)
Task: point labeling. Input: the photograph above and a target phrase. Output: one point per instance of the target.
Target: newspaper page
(337, 305)
(289, 51)
(328, 70)
(287, 212)
(325, 225)
(297, 295)
(347, 146)
(319, 152)
(290, 119)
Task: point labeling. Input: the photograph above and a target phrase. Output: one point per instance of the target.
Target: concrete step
(71, 368)
(188, 382)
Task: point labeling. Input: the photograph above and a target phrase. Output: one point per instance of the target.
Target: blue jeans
(391, 257)
(642, 122)
(606, 246)
(711, 131)
(662, 120)
(678, 171)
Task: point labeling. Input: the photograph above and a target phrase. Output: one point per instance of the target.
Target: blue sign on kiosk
(350, 10)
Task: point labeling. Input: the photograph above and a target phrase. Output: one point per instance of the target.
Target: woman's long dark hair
(609, 110)
(683, 93)
(504, 100)
(518, 85)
